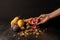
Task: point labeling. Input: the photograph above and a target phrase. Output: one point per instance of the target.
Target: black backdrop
(26, 8)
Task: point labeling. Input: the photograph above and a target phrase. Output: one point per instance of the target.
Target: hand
(43, 18)
(40, 20)
(33, 21)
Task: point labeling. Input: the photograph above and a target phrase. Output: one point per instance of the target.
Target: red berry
(31, 21)
(33, 27)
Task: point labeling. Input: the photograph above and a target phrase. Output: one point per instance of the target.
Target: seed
(26, 33)
(30, 30)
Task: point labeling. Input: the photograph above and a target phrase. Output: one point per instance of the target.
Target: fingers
(40, 20)
(42, 15)
(43, 18)
(43, 21)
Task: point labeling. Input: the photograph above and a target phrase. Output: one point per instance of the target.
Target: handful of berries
(25, 26)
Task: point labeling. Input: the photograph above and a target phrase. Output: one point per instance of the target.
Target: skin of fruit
(14, 21)
(20, 23)
(15, 28)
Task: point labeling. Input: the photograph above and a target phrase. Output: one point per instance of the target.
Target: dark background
(29, 8)
(26, 8)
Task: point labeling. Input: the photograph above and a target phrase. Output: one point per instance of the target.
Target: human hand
(40, 19)
(43, 18)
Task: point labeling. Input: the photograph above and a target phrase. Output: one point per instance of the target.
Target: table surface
(7, 34)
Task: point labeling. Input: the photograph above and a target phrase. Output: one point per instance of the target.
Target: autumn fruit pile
(25, 27)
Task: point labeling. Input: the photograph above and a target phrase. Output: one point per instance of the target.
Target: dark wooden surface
(7, 34)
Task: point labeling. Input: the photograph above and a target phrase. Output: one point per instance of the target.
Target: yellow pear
(20, 23)
(14, 21)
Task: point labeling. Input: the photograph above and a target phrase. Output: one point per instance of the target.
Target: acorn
(37, 33)
(36, 30)
(21, 33)
(22, 28)
(34, 33)
(26, 33)
(30, 30)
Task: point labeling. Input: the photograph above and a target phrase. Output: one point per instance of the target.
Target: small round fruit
(22, 28)
(36, 30)
(34, 27)
(21, 33)
(15, 28)
(37, 33)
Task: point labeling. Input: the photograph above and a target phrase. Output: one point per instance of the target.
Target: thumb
(43, 21)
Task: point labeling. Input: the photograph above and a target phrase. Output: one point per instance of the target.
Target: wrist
(49, 16)
(54, 13)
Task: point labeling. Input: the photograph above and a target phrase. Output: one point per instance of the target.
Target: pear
(20, 23)
(14, 21)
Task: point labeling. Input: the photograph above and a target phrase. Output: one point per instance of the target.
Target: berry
(33, 27)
